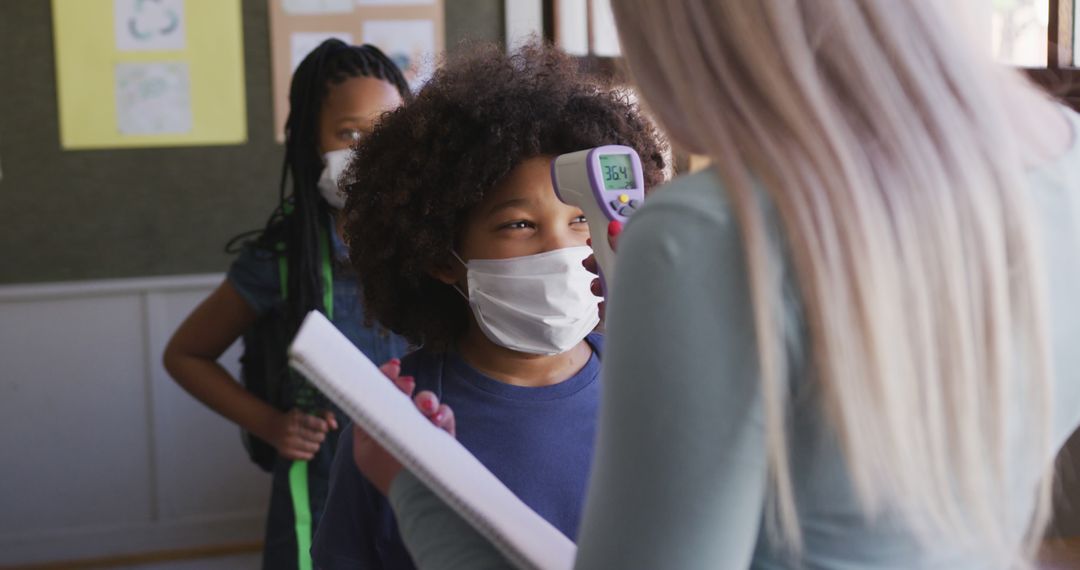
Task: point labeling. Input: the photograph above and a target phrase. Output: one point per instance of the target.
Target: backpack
(264, 364)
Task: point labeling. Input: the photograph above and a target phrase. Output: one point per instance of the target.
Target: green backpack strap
(299, 490)
(325, 248)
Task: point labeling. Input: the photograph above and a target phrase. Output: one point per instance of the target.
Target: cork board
(411, 32)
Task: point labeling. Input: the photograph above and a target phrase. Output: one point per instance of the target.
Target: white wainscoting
(102, 453)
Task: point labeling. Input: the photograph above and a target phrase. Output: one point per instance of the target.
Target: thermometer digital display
(617, 171)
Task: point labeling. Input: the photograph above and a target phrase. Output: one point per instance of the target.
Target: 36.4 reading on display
(618, 171)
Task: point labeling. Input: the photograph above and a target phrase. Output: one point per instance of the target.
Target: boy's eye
(518, 225)
(580, 220)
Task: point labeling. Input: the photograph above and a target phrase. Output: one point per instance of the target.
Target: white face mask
(329, 183)
(539, 304)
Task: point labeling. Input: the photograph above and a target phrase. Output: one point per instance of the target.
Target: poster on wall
(149, 73)
(144, 25)
(411, 32)
(409, 43)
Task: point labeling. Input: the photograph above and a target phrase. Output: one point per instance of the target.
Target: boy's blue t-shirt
(537, 441)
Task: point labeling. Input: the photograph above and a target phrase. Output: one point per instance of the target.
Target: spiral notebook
(331, 362)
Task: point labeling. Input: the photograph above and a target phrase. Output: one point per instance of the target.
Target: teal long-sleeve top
(679, 479)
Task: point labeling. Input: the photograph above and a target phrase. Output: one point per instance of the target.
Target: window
(1048, 52)
(1036, 35)
(1019, 31)
(586, 30)
(583, 27)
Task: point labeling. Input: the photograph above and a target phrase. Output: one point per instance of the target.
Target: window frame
(1061, 76)
(609, 68)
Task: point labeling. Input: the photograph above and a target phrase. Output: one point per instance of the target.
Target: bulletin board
(120, 213)
(411, 32)
(149, 73)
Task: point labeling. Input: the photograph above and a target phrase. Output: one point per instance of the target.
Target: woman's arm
(679, 476)
(680, 472)
(191, 359)
(436, 536)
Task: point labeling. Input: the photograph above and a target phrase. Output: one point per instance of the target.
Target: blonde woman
(853, 342)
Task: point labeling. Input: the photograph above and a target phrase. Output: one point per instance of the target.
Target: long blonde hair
(876, 131)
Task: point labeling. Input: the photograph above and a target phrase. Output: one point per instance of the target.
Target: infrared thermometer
(607, 184)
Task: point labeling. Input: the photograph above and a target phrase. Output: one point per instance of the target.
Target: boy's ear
(445, 272)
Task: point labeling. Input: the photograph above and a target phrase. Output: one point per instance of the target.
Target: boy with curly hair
(463, 248)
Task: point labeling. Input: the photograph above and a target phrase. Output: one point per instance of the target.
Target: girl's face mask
(537, 304)
(336, 161)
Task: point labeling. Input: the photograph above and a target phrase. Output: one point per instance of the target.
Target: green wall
(69, 215)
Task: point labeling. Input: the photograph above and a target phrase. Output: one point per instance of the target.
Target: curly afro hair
(413, 181)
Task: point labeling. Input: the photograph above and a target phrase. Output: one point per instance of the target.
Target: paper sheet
(149, 25)
(409, 43)
(153, 98)
(302, 43)
(301, 7)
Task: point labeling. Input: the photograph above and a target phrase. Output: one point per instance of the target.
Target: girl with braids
(295, 265)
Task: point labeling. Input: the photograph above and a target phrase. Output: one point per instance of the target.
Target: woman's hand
(298, 436)
(614, 229)
(375, 462)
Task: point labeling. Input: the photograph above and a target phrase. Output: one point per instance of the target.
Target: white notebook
(356, 385)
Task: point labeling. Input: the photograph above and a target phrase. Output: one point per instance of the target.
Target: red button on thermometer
(607, 184)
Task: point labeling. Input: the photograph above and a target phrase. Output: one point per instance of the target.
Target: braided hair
(300, 214)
